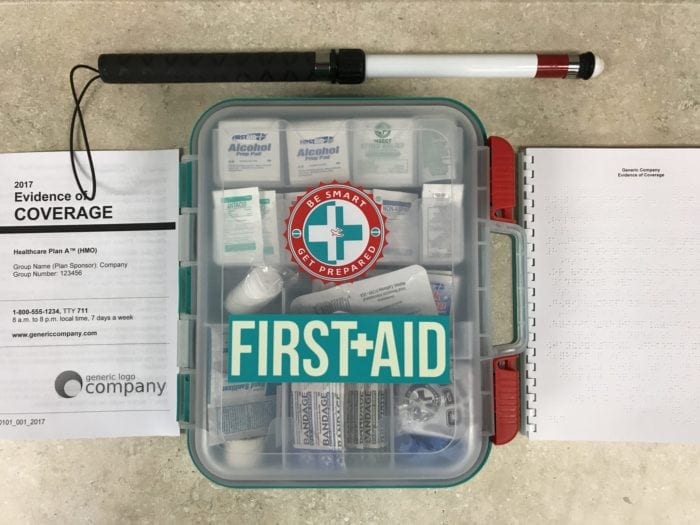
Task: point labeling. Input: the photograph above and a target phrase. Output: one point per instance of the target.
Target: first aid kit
(334, 293)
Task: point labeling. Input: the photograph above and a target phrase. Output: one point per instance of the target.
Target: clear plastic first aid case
(334, 293)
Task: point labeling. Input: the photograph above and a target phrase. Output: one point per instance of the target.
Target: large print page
(88, 296)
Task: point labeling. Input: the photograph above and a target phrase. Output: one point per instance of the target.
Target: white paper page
(88, 304)
(617, 294)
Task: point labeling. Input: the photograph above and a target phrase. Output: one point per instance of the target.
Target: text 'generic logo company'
(68, 384)
(336, 232)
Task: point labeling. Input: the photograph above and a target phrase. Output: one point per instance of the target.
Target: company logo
(318, 140)
(68, 384)
(382, 130)
(336, 232)
(249, 136)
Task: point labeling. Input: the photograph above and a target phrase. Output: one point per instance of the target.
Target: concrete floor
(647, 96)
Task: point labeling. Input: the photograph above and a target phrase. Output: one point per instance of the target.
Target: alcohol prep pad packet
(318, 151)
(249, 151)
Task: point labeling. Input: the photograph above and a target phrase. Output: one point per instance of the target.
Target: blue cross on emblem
(326, 233)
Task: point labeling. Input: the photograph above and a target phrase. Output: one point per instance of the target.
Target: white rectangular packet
(401, 210)
(406, 291)
(271, 239)
(442, 239)
(238, 229)
(439, 150)
(384, 152)
(318, 151)
(444, 286)
(249, 151)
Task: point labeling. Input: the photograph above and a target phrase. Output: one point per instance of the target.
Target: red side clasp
(506, 377)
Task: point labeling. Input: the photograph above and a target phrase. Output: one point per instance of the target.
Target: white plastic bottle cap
(259, 287)
(244, 453)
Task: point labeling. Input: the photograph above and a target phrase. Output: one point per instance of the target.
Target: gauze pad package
(439, 150)
(383, 152)
(238, 231)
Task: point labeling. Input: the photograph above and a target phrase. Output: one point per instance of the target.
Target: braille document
(88, 296)
(614, 293)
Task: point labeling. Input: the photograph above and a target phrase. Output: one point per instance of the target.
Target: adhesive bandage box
(384, 152)
(249, 151)
(317, 151)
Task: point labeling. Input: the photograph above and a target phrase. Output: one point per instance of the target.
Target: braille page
(614, 251)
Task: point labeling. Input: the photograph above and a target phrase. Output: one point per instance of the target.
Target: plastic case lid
(424, 162)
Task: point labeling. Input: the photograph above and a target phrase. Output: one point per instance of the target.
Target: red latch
(506, 378)
(506, 399)
(503, 186)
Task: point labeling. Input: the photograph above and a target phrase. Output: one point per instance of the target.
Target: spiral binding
(528, 189)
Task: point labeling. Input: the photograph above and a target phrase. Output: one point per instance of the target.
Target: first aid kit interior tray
(334, 293)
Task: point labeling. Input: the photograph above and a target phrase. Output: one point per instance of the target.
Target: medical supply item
(318, 151)
(270, 227)
(318, 433)
(239, 414)
(260, 286)
(249, 152)
(238, 230)
(401, 211)
(406, 291)
(383, 152)
(443, 285)
(439, 150)
(441, 223)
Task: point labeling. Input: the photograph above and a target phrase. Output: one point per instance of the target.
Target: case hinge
(187, 293)
(183, 400)
(188, 186)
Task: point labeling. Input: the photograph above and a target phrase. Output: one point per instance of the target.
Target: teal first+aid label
(343, 349)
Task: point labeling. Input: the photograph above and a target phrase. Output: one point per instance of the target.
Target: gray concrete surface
(647, 96)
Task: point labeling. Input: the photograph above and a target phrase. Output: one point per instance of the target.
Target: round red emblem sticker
(336, 232)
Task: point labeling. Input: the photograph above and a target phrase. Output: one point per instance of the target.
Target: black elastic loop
(77, 113)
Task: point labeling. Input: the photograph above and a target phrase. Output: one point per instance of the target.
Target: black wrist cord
(78, 114)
